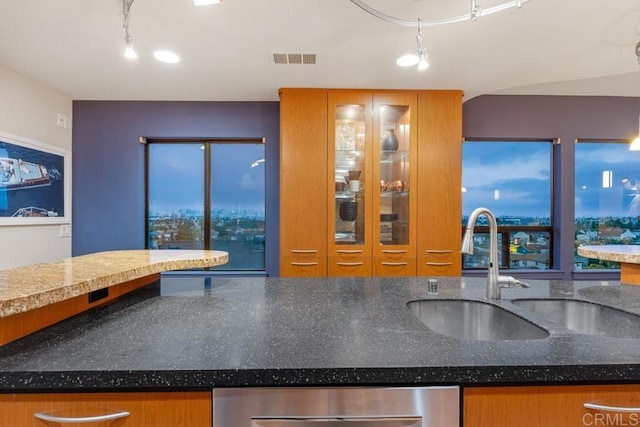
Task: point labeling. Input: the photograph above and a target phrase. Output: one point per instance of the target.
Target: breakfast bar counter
(203, 332)
(627, 255)
(39, 295)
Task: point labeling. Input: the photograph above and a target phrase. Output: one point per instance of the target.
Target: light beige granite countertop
(620, 253)
(26, 288)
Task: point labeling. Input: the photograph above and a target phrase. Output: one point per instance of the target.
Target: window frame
(207, 205)
(506, 230)
(590, 274)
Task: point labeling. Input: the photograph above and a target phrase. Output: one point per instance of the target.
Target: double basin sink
(477, 320)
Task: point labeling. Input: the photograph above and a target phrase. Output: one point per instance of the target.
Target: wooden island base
(630, 274)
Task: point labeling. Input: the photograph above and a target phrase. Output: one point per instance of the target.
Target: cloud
(478, 173)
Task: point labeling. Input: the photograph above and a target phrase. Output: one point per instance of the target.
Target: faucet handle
(510, 282)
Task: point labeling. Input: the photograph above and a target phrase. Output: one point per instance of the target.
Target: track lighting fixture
(129, 52)
(421, 57)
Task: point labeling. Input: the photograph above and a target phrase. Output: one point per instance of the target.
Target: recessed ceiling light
(206, 2)
(166, 56)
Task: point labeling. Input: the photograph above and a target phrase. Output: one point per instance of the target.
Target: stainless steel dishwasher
(338, 406)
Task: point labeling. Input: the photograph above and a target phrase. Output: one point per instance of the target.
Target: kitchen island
(199, 333)
(169, 352)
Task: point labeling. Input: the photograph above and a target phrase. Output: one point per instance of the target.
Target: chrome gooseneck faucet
(494, 281)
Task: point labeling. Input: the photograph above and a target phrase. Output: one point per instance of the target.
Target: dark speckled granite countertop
(193, 333)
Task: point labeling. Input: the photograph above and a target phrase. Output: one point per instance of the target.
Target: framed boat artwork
(35, 181)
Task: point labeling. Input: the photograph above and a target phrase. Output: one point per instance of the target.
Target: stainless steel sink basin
(474, 320)
(583, 317)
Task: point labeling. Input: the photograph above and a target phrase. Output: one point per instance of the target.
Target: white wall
(29, 110)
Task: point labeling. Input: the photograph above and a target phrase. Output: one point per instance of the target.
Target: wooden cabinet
(193, 409)
(439, 183)
(387, 164)
(303, 188)
(544, 406)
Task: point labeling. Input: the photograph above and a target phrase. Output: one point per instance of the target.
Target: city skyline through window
(208, 195)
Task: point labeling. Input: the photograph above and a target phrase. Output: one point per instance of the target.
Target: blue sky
(521, 171)
(509, 178)
(176, 177)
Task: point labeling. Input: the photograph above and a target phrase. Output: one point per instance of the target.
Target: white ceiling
(566, 47)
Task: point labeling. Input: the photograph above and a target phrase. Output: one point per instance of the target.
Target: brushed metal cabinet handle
(438, 263)
(438, 251)
(350, 264)
(304, 264)
(347, 251)
(304, 251)
(394, 251)
(394, 264)
(607, 408)
(81, 420)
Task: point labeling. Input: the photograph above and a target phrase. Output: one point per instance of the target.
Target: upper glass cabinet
(394, 132)
(349, 174)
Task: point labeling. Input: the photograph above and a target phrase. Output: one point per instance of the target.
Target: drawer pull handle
(392, 251)
(346, 251)
(610, 408)
(350, 264)
(304, 264)
(438, 263)
(81, 420)
(304, 251)
(394, 264)
(438, 251)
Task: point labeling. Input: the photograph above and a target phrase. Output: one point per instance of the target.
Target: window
(513, 180)
(208, 195)
(607, 199)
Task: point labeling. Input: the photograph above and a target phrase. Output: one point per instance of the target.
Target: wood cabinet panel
(193, 409)
(545, 406)
(303, 175)
(439, 179)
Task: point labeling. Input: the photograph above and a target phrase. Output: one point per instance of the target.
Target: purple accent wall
(108, 163)
(550, 117)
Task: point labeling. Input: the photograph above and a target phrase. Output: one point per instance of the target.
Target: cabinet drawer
(349, 266)
(169, 409)
(303, 267)
(543, 406)
(394, 267)
(439, 262)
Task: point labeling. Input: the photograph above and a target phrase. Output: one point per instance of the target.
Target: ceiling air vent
(294, 58)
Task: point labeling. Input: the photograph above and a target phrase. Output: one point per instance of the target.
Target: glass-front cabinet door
(350, 187)
(394, 158)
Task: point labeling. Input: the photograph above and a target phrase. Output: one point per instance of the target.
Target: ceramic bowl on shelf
(348, 211)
